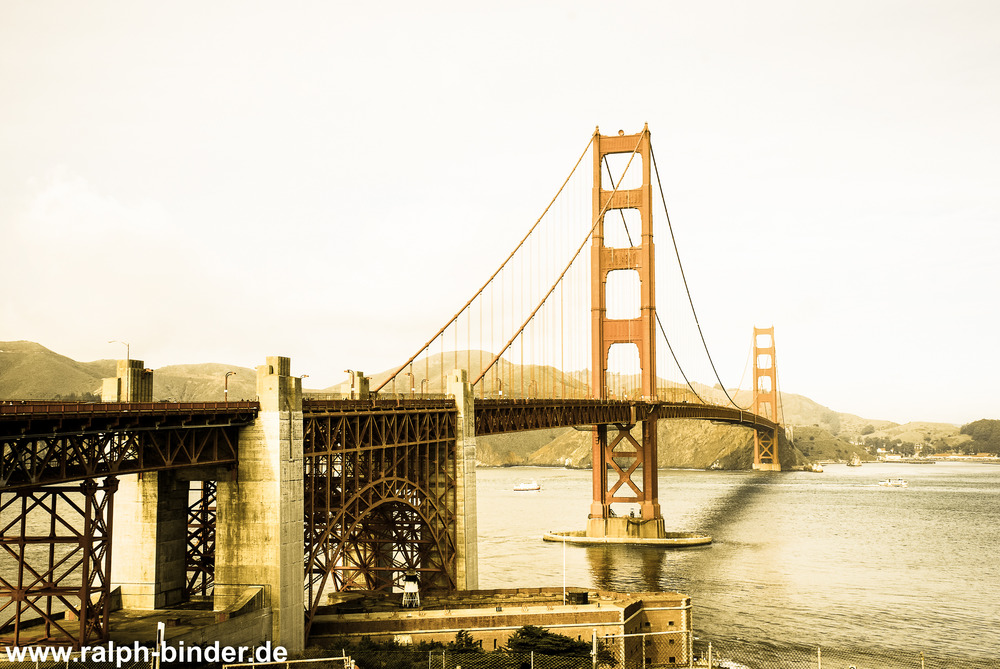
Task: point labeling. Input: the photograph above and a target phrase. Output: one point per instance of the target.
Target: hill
(30, 371)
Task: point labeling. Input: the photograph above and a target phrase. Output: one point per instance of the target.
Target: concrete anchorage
(259, 522)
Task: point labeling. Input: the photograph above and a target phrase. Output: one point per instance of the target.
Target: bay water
(798, 559)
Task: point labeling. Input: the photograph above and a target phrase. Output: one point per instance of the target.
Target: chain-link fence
(405, 659)
(636, 651)
(675, 649)
(62, 657)
(747, 655)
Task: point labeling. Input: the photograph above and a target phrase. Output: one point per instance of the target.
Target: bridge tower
(623, 455)
(765, 399)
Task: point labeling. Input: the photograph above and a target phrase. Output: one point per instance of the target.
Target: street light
(125, 343)
(412, 389)
(351, 372)
(225, 386)
(422, 382)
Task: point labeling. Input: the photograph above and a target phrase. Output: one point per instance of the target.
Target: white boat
(527, 487)
(855, 461)
(893, 483)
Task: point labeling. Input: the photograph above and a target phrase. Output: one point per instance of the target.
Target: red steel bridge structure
(382, 479)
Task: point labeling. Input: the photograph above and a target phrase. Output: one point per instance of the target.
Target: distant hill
(31, 371)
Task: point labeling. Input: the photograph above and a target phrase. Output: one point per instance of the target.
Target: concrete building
(652, 628)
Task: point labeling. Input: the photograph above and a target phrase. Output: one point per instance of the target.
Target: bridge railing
(50, 408)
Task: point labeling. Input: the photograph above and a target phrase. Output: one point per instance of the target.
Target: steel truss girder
(498, 416)
(118, 450)
(200, 557)
(380, 497)
(60, 539)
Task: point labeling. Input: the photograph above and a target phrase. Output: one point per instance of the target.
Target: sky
(220, 182)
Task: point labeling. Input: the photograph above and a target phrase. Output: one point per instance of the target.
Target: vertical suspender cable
(493, 276)
(684, 278)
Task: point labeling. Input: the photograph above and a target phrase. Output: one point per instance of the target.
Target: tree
(531, 638)
(867, 429)
(464, 643)
(985, 435)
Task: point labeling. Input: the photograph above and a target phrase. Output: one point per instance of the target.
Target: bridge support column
(260, 511)
(54, 572)
(624, 456)
(467, 561)
(150, 540)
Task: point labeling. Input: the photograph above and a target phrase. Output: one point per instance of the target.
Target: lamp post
(351, 372)
(422, 382)
(125, 343)
(412, 389)
(225, 386)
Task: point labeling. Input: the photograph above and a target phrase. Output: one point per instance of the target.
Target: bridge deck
(53, 442)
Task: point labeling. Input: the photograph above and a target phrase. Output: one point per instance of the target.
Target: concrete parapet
(467, 563)
(252, 599)
(259, 535)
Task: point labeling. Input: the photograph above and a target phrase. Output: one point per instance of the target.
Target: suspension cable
(684, 278)
(597, 219)
(493, 276)
(656, 313)
(677, 362)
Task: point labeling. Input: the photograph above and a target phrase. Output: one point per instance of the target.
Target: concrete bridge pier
(150, 537)
(467, 562)
(150, 540)
(260, 510)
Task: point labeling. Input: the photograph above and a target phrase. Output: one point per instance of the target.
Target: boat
(527, 487)
(814, 467)
(855, 461)
(893, 483)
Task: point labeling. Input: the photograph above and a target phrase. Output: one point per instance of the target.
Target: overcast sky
(222, 181)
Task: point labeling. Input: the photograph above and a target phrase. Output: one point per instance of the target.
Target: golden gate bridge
(310, 495)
